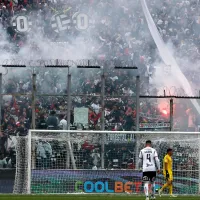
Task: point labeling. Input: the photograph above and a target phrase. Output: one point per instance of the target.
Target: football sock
(153, 188)
(146, 189)
(164, 186)
(170, 189)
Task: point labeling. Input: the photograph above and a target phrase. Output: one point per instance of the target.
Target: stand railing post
(137, 120)
(102, 120)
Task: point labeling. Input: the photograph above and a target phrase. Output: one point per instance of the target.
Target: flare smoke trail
(166, 56)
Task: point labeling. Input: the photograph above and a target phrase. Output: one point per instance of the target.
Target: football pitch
(89, 197)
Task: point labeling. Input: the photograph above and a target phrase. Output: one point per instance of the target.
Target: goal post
(48, 149)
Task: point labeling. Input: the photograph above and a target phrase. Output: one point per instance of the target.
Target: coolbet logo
(100, 187)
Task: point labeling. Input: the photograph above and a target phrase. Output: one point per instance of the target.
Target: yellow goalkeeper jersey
(167, 159)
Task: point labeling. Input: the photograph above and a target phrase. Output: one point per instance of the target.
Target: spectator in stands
(129, 121)
(191, 120)
(21, 130)
(124, 37)
(63, 122)
(42, 124)
(52, 121)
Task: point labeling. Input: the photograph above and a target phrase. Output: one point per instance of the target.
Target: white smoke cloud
(83, 46)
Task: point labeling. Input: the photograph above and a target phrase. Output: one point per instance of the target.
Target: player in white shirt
(148, 159)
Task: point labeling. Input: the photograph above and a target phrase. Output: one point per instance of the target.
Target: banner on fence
(81, 116)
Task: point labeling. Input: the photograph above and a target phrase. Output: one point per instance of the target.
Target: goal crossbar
(113, 132)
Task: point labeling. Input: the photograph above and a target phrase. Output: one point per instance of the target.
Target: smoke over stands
(101, 30)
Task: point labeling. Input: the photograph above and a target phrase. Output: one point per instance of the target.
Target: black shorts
(149, 176)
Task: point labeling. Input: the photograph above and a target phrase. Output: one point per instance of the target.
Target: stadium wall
(95, 181)
(7, 177)
(102, 181)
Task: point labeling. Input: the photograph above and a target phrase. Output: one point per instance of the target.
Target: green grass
(89, 197)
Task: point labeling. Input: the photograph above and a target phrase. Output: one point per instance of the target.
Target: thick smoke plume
(132, 29)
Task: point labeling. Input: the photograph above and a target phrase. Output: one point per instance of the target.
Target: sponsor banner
(120, 138)
(104, 181)
(162, 125)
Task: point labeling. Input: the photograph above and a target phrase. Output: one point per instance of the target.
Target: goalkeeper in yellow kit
(167, 172)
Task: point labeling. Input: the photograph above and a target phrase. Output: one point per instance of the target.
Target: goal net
(57, 162)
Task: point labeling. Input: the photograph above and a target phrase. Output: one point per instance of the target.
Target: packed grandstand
(115, 33)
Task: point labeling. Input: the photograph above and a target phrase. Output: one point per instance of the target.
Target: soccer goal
(61, 162)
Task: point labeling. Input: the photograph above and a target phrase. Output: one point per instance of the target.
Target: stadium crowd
(122, 35)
